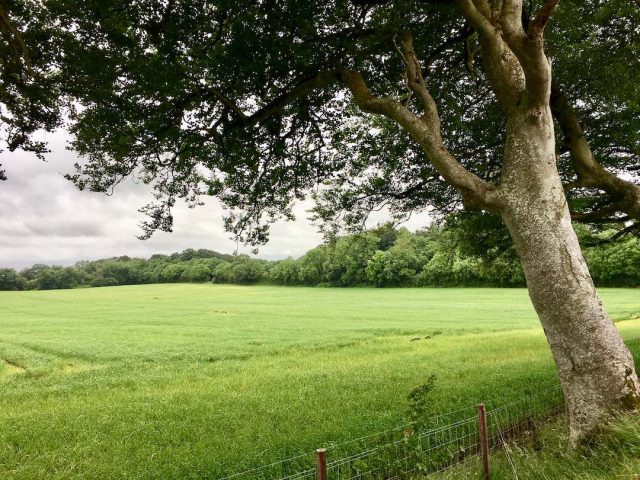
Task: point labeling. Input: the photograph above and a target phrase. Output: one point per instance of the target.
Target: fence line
(401, 452)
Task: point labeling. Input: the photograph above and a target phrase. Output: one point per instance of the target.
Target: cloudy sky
(45, 219)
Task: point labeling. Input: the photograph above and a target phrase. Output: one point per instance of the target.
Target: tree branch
(590, 173)
(415, 80)
(620, 233)
(529, 50)
(536, 27)
(233, 106)
(501, 65)
(469, 54)
(300, 90)
(14, 38)
(596, 215)
(502, 38)
(476, 193)
(474, 16)
(511, 18)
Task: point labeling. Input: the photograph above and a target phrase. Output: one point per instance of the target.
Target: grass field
(195, 381)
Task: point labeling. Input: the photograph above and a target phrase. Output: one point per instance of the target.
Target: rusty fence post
(484, 441)
(321, 464)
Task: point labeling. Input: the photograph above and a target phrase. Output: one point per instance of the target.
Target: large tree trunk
(595, 367)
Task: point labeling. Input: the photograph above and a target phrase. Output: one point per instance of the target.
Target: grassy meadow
(199, 381)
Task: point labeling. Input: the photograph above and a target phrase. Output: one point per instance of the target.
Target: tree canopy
(460, 253)
(252, 102)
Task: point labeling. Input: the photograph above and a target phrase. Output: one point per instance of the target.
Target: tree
(246, 271)
(312, 265)
(348, 259)
(284, 272)
(55, 277)
(172, 273)
(405, 104)
(29, 95)
(398, 264)
(10, 280)
(615, 264)
(485, 237)
(199, 270)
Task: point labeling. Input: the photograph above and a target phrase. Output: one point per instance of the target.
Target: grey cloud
(45, 219)
(66, 229)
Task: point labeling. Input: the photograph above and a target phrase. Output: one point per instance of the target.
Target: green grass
(543, 455)
(195, 381)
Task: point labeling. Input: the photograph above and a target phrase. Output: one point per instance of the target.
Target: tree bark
(595, 367)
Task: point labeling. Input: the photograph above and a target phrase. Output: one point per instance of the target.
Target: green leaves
(241, 100)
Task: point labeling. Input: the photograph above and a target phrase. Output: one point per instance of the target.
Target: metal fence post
(321, 464)
(484, 441)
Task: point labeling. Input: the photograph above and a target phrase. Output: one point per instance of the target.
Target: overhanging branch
(589, 172)
(536, 27)
(476, 193)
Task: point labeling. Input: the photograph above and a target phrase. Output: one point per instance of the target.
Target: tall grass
(543, 455)
(196, 381)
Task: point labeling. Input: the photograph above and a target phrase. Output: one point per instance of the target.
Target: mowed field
(199, 381)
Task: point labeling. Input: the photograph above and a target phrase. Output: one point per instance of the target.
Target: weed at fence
(424, 448)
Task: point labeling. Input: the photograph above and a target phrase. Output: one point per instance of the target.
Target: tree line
(457, 254)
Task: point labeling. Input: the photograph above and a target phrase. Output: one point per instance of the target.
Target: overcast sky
(45, 219)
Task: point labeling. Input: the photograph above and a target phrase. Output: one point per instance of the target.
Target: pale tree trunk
(595, 367)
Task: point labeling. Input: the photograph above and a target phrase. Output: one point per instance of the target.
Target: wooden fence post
(484, 441)
(321, 464)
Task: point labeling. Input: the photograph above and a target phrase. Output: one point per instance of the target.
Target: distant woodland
(464, 252)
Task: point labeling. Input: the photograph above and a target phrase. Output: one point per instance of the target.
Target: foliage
(30, 92)
(10, 280)
(420, 407)
(615, 263)
(248, 101)
(468, 250)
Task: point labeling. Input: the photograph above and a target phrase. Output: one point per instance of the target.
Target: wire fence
(443, 441)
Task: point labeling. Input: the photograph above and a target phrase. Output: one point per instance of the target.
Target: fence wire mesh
(445, 440)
